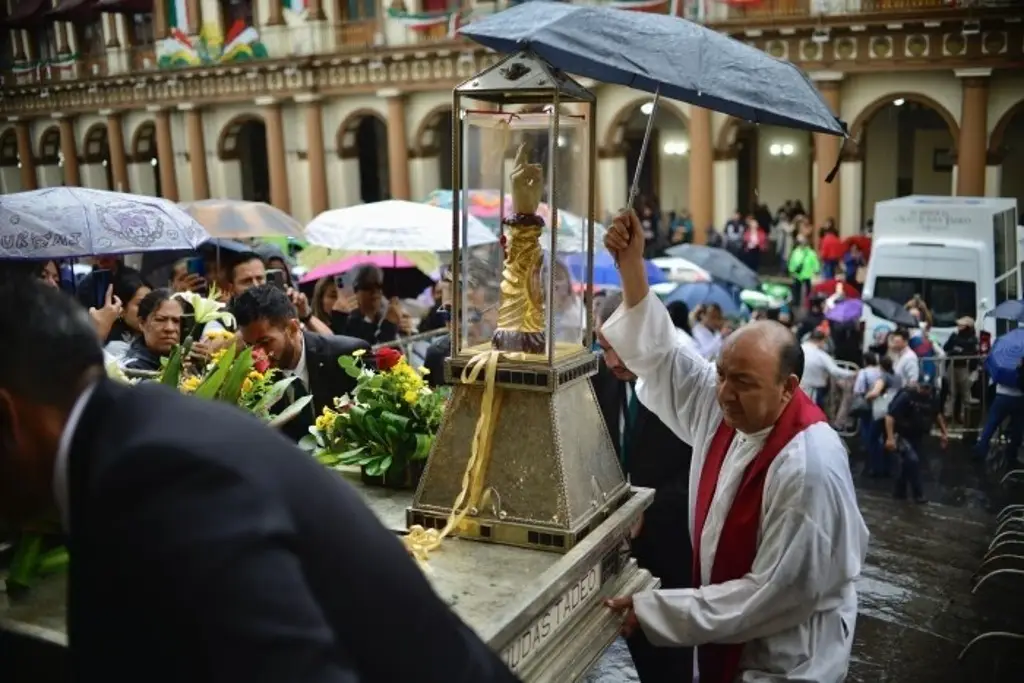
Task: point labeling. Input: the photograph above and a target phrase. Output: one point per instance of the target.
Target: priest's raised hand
(778, 538)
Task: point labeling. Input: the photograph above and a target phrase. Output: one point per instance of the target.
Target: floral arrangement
(387, 423)
(37, 553)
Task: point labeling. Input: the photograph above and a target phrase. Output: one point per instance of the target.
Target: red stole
(737, 544)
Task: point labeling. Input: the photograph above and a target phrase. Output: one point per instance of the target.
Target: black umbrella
(891, 311)
(720, 264)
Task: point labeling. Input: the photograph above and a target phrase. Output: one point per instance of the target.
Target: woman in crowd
(159, 315)
(325, 296)
(880, 378)
(130, 290)
(680, 314)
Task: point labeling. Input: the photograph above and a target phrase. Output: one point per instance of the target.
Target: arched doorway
(908, 145)
(774, 166)
(245, 140)
(434, 141)
(665, 173)
(363, 138)
(145, 161)
(10, 176)
(96, 152)
(1007, 146)
(50, 160)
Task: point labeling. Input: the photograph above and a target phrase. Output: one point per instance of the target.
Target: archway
(1006, 147)
(49, 148)
(96, 152)
(434, 140)
(146, 161)
(908, 145)
(774, 166)
(10, 176)
(363, 137)
(244, 139)
(665, 174)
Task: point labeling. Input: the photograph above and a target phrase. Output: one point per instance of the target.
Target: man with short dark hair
(267, 320)
(778, 537)
(654, 457)
(904, 361)
(205, 547)
(911, 414)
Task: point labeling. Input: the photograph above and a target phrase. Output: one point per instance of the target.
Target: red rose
(260, 362)
(387, 358)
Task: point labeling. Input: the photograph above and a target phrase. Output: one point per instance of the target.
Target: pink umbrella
(347, 264)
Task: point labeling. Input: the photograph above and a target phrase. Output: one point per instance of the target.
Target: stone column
(277, 159)
(851, 189)
(196, 146)
(702, 170)
(973, 147)
(165, 152)
(69, 150)
(994, 178)
(26, 159)
(118, 160)
(160, 28)
(726, 187)
(398, 146)
(195, 14)
(826, 155)
(315, 153)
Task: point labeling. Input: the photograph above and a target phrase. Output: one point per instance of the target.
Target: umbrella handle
(634, 187)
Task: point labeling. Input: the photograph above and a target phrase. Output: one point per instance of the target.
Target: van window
(1004, 247)
(948, 300)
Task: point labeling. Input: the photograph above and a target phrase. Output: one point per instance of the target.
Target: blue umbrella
(694, 294)
(661, 54)
(720, 263)
(1003, 361)
(605, 272)
(1008, 310)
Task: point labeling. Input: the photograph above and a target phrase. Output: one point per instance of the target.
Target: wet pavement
(916, 607)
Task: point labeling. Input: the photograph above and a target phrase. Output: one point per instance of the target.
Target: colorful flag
(177, 16)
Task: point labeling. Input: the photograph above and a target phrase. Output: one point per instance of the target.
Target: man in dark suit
(267, 320)
(204, 547)
(654, 457)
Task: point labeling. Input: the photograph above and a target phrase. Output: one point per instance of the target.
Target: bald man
(778, 538)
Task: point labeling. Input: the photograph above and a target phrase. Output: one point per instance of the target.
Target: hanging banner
(422, 21)
(177, 15)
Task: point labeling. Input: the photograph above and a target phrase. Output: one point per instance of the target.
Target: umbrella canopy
(698, 293)
(1003, 361)
(758, 300)
(605, 272)
(891, 311)
(346, 264)
(719, 263)
(678, 58)
(828, 288)
(392, 225)
(1008, 310)
(486, 205)
(680, 270)
(845, 311)
(72, 222)
(237, 219)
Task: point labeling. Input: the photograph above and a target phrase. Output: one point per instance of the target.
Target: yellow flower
(215, 358)
(255, 376)
(325, 421)
(424, 370)
(359, 353)
(411, 396)
(189, 384)
(246, 385)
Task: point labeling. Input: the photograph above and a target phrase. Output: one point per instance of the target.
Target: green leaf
(309, 443)
(350, 366)
(385, 464)
(53, 561)
(25, 564)
(291, 411)
(232, 389)
(274, 394)
(328, 459)
(171, 374)
(423, 445)
(212, 383)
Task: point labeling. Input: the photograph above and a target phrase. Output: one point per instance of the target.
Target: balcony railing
(778, 11)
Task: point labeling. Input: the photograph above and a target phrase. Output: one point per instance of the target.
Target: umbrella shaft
(643, 150)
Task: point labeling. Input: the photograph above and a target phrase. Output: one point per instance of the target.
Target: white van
(962, 255)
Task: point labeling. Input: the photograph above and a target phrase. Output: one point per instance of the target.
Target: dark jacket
(139, 357)
(206, 548)
(433, 361)
(327, 380)
(963, 346)
(355, 325)
(660, 460)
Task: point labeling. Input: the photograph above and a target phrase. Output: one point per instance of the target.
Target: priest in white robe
(778, 537)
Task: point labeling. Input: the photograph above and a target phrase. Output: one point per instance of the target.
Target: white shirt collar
(61, 493)
(300, 370)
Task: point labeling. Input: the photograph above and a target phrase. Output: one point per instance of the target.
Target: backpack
(923, 348)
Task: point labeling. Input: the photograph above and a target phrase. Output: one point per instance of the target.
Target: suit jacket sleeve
(229, 549)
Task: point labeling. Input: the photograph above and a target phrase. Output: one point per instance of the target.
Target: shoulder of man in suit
(334, 344)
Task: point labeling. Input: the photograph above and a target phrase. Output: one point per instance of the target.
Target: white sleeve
(675, 382)
(835, 370)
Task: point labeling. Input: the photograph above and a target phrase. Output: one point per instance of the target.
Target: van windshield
(948, 300)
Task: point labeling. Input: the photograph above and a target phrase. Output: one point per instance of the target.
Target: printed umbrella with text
(663, 55)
